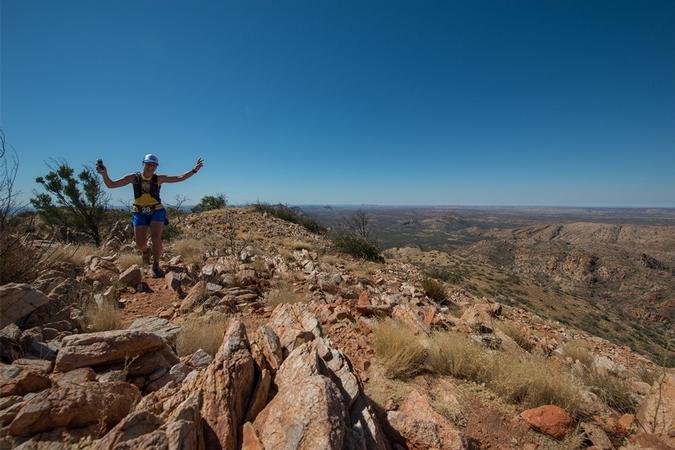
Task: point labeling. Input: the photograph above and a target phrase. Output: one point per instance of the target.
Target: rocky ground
(296, 364)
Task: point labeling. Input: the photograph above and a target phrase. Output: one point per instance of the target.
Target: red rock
(363, 299)
(17, 381)
(81, 375)
(34, 365)
(132, 276)
(624, 424)
(422, 428)
(410, 319)
(250, 440)
(106, 347)
(429, 315)
(646, 441)
(656, 412)
(75, 406)
(226, 386)
(17, 300)
(131, 428)
(306, 415)
(548, 419)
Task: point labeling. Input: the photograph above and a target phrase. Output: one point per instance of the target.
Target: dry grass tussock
(577, 350)
(525, 380)
(105, 317)
(401, 353)
(331, 259)
(126, 260)
(459, 356)
(283, 294)
(75, 254)
(518, 334)
(295, 244)
(614, 391)
(435, 290)
(192, 250)
(204, 332)
(532, 381)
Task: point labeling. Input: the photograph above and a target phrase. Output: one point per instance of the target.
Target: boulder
(250, 439)
(597, 436)
(17, 300)
(421, 427)
(365, 427)
(294, 324)
(106, 347)
(200, 359)
(307, 415)
(548, 419)
(134, 431)
(260, 395)
(75, 406)
(132, 276)
(302, 363)
(34, 365)
(410, 319)
(226, 385)
(15, 380)
(165, 329)
(196, 295)
(656, 412)
(268, 343)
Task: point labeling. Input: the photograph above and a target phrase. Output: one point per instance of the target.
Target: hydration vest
(154, 187)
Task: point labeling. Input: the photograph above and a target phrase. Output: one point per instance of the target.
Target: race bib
(147, 210)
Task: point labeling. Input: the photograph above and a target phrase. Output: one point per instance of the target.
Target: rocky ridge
(300, 374)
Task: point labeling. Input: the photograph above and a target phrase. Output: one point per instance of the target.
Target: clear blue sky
(344, 102)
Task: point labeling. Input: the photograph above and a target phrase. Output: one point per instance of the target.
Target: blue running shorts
(138, 219)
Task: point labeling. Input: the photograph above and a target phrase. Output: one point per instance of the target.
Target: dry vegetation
(75, 254)
(104, 317)
(127, 260)
(283, 294)
(578, 351)
(518, 334)
(435, 290)
(192, 250)
(204, 332)
(526, 380)
(295, 244)
(614, 391)
(400, 351)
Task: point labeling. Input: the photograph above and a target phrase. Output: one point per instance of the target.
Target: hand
(100, 169)
(200, 163)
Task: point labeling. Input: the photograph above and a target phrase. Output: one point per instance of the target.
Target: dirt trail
(155, 298)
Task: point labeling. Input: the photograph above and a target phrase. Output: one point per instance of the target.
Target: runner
(147, 208)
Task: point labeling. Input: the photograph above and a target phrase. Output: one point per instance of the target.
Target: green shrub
(210, 202)
(283, 212)
(76, 203)
(171, 232)
(357, 246)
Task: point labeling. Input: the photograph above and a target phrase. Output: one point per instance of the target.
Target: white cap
(150, 158)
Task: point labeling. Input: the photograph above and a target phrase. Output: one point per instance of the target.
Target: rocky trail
(297, 362)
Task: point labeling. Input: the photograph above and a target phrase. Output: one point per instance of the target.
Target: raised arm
(127, 179)
(178, 178)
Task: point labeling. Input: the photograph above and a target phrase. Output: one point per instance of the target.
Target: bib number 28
(146, 210)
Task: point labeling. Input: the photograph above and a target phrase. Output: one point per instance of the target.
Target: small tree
(78, 204)
(359, 224)
(209, 202)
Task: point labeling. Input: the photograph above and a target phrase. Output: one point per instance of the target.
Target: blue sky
(345, 102)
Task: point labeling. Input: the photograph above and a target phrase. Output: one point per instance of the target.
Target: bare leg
(141, 235)
(156, 235)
